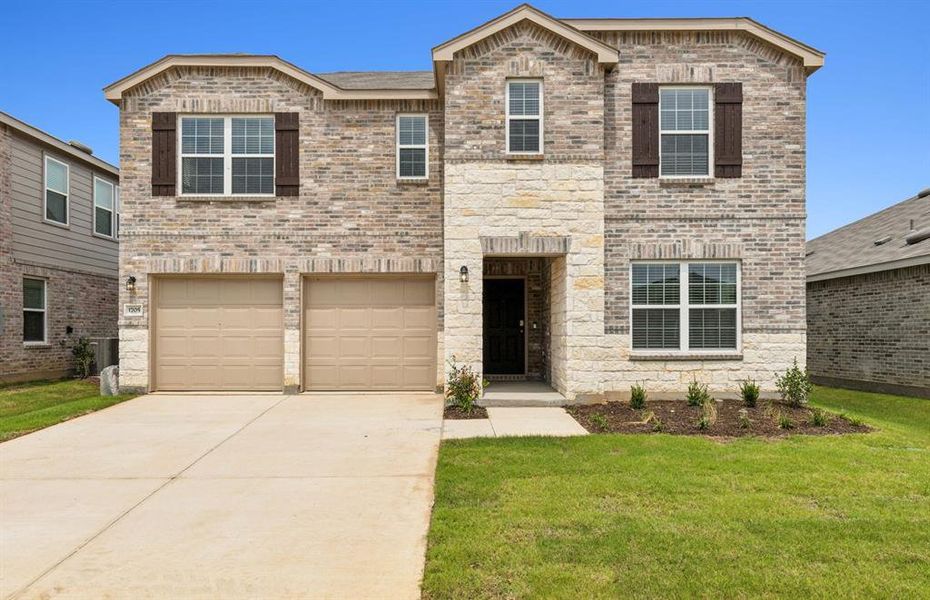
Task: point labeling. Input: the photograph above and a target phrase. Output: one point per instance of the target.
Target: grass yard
(31, 406)
(662, 516)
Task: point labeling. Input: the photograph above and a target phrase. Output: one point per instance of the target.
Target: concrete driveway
(231, 496)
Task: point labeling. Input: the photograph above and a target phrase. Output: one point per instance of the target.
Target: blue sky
(868, 108)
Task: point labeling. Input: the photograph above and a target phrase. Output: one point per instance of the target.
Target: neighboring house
(355, 231)
(868, 302)
(58, 250)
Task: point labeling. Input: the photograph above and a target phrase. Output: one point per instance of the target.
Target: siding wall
(36, 241)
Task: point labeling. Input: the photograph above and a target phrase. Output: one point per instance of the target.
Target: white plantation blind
(524, 117)
(684, 129)
(227, 155)
(411, 146)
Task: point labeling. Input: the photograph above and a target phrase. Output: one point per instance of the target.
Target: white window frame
(227, 154)
(113, 211)
(709, 133)
(398, 146)
(45, 189)
(683, 307)
(509, 117)
(43, 310)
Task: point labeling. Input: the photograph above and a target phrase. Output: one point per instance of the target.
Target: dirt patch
(767, 419)
(454, 412)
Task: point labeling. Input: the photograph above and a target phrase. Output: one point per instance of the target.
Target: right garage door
(371, 333)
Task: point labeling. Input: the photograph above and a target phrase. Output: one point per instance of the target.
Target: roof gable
(605, 54)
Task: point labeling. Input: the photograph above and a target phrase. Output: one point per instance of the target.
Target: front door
(504, 319)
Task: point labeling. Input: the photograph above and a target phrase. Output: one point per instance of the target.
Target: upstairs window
(412, 147)
(227, 156)
(684, 132)
(524, 117)
(104, 208)
(57, 185)
(34, 303)
(685, 306)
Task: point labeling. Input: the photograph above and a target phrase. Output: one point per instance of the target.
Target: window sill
(525, 157)
(225, 198)
(685, 356)
(687, 181)
(103, 237)
(36, 345)
(413, 181)
(57, 224)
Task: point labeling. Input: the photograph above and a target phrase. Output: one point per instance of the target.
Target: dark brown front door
(504, 319)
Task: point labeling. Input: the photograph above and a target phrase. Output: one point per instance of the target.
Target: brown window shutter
(645, 130)
(164, 153)
(728, 130)
(287, 154)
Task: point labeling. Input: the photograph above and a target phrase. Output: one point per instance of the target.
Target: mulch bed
(676, 417)
(454, 412)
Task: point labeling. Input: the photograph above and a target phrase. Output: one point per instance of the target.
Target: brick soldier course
(352, 215)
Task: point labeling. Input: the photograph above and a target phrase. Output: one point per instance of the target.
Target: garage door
(218, 334)
(369, 333)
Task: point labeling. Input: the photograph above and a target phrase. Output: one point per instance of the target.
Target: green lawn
(660, 516)
(30, 406)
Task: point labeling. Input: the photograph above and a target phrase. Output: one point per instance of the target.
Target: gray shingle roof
(380, 80)
(853, 246)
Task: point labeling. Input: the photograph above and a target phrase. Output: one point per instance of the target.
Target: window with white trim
(104, 208)
(412, 146)
(34, 308)
(227, 156)
(524, 116)
(684, 132)
(686, 306)
(57, 191)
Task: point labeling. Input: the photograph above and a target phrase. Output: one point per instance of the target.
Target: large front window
(227, 156)
(685, 306)
(684, 132)
(524, 117)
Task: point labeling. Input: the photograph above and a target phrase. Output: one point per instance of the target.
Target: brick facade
(353, 216)
(872, 331)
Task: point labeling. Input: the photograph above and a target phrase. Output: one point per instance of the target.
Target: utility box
(106, 353)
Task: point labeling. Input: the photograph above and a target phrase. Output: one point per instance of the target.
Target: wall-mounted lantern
(463, 274)
(131, 284)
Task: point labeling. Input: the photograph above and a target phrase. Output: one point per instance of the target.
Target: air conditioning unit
(106, 353)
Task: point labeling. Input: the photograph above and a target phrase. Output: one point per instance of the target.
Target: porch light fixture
(463, 274)
(131, 284)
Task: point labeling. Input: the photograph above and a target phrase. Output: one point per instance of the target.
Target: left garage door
(218, 334)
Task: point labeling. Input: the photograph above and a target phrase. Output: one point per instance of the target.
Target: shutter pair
(728, 130)
(165, 154)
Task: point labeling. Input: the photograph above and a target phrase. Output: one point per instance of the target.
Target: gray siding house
(59, 208)
(868, 302)
(586, 203)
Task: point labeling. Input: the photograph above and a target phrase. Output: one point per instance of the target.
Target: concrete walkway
(233, 496)
(514, 421)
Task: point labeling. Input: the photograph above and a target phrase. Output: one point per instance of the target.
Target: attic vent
(82, 147)
(806, 254)
(918, 236)
(883, 240)
(923, 193)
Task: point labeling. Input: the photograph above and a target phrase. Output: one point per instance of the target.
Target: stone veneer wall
(757, 219)
(872, 331)
(352, 214)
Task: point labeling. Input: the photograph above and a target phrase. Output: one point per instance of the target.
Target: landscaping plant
(637, 396)
(744, 421)
(463, 386)
(794, 386)
(819, 417)
(697, 393)
(749, 391)
(784, 421)
(600, 421)
(708, 413)
(83, 356)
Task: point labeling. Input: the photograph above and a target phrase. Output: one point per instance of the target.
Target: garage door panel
(219, 334)
(366, 345)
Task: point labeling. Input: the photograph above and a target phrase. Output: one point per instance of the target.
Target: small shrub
(83, 356)
(794, 386)
(657, 425)
(744, 422)
(463, 386)
(697, 393)
(637, 396)
(784, 421)
(600, 421)
(709, 410)
(854, 421)
(749, 391)
(819, 418)
(703, 423)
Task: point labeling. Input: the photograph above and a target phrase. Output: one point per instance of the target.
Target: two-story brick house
(59, 219)
(590, 203)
